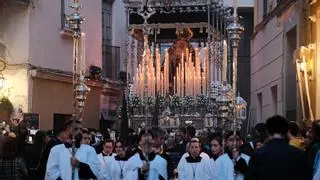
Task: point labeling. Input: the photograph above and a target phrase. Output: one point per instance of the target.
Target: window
(274, 96)
(107, 23)
(110, 54)
(65, 11)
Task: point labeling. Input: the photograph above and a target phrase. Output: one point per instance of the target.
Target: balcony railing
(111, 62)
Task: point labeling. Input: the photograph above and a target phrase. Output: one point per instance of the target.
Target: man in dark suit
(277, 160)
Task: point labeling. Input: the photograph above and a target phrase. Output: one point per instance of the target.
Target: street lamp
(241, 110)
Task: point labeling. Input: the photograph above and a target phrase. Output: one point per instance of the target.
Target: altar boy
(194, 167)
(60, 162)
(146, 164)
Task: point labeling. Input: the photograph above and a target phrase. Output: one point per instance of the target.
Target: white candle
(194, 82)
(138, 85)
(174, 85)
(181, 79)
(225, 62)
(158, 68)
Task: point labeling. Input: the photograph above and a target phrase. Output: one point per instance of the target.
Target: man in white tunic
(202, 154)
(146, 164)
(107, 154)
(61, 163)
(194, 167)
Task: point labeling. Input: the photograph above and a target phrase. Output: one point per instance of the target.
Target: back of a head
(67, 125)
(316, 129)
(182, 129)
(260, 128)
(277, 125)
(191, 131)
(293, 128)
(9, 149)
(40, 137)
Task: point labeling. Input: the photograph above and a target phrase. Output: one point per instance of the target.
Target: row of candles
(191, 79)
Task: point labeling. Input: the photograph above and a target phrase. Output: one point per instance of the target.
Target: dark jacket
(277, 160)
(45, 155)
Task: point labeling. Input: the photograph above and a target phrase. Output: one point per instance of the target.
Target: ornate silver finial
(75, 19)
(81, 94)
(234, 28)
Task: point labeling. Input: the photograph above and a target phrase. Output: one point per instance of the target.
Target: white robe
(105, 159)
(247, 159)
(203, 155)
(113, 170)
(104, 165)
(158, 166)
(194, 171)
(59, 162)
(223, 168)
(316, 176)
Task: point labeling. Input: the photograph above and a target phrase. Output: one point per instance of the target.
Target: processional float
(187, 81)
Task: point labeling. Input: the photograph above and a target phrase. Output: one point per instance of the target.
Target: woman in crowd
(220, 164)
(216, 147)
(216, 152)
(11, 166)
(116, 166)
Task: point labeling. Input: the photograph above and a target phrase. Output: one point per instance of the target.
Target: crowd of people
(279, 150)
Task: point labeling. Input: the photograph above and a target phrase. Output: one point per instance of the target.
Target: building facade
(279, 28)
(36, 46)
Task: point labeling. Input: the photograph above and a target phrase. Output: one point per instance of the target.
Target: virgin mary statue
(179, 48)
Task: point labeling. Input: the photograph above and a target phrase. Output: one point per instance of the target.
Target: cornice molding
(66, 77)
(277, 11)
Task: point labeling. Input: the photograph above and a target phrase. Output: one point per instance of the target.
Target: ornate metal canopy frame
(217, 13)
(174, 6)
(220, 106)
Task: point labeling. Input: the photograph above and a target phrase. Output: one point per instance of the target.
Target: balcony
(111, 62)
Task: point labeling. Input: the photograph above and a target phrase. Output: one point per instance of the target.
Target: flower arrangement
(135, 102)
(188, 101)
(176, 101)
(201, 100)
